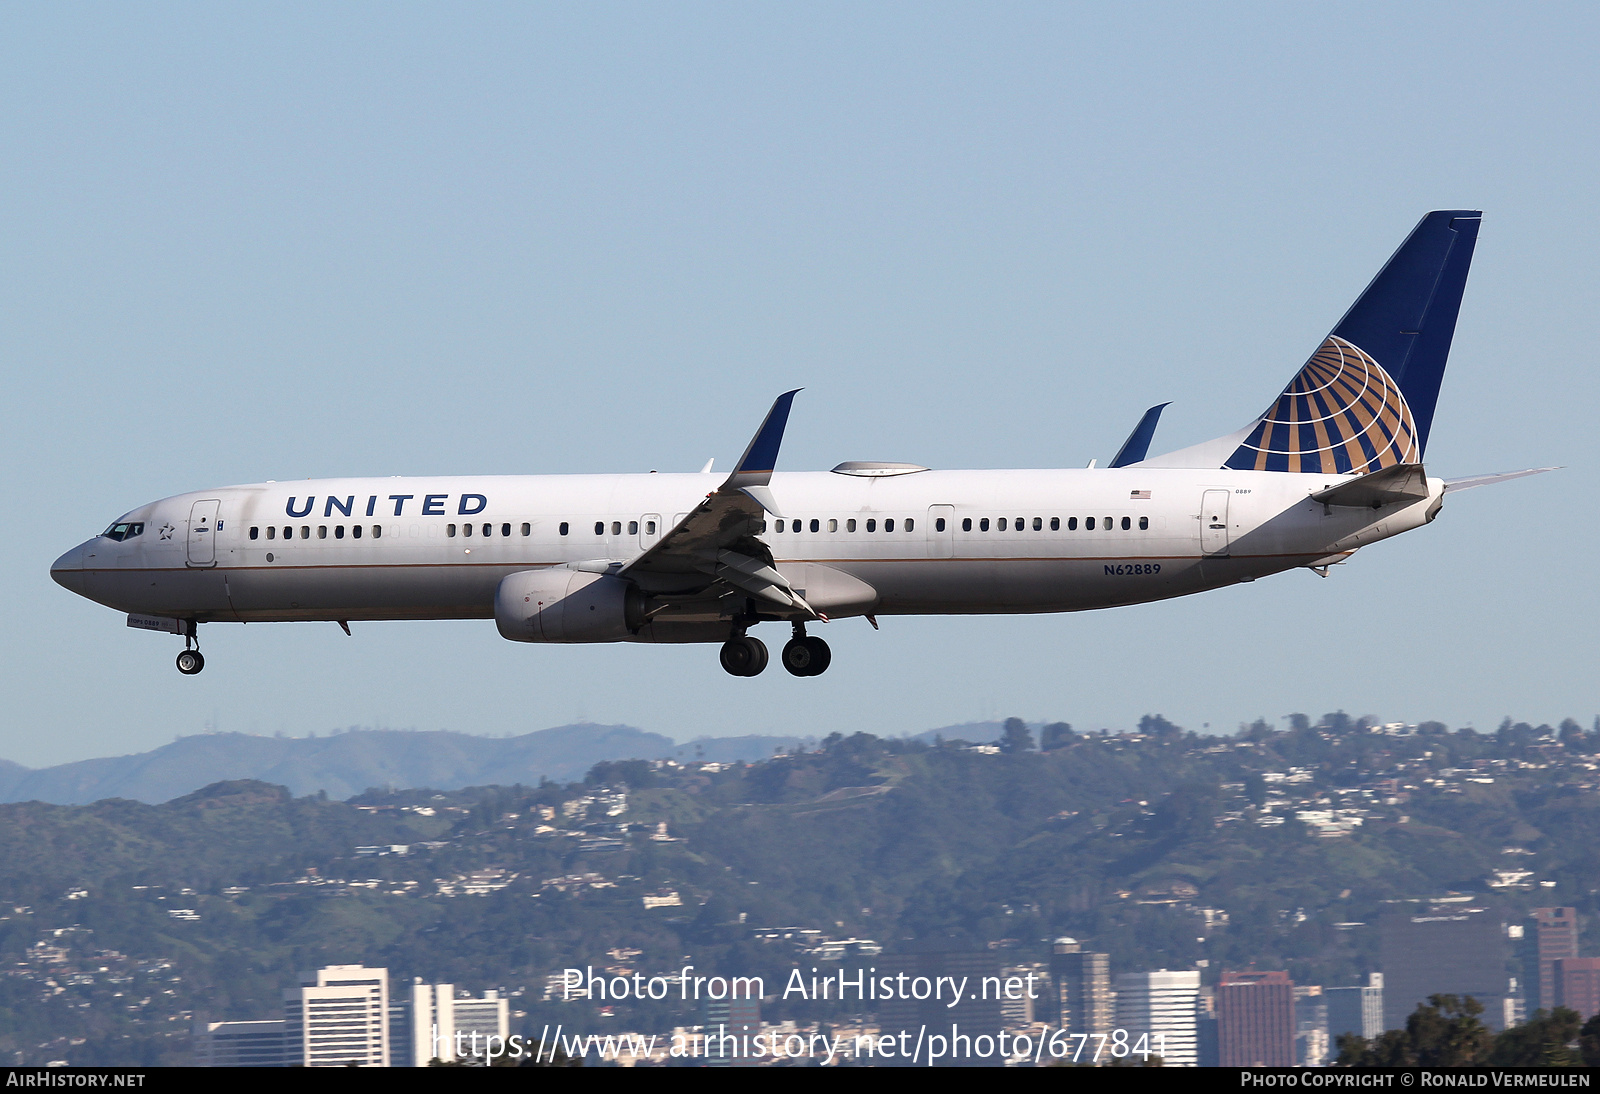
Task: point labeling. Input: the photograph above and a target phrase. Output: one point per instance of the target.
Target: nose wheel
(744, 656)
(190, 661)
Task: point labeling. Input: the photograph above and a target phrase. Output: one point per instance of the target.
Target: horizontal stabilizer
(1138, 443)
(1489, 480)
(1399, 484)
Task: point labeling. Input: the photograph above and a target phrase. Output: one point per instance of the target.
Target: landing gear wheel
(806, 656)
(744, 656)
(190, 662)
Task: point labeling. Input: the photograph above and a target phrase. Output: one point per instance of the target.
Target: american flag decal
(1140, 495)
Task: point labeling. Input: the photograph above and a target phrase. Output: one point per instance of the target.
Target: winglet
(1138, 443)
(755, 466)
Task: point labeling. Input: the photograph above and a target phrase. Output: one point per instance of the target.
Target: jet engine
(561, 605)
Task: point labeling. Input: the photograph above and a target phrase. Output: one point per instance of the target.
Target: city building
(337, 1017)
(433, 1023)
(976, 1015)
(1081, 986)
(1556, 931)
(1357, 1010)
(239, 1044)
(1577, 985)
(1451, 946)
(728, 1025)
(1161, 1006)
(1311, 1045)
(1021, 1008)
(1255, 1020)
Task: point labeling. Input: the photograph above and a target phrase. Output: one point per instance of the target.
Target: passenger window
(850, 524)
(338, 532)
(763, 528)
(816, 525)
(288, 533)
(1127, 522)
(1088, 522)
(271, 530)
(1108, 523)
(1038, 525)
(1055, 524)
(599, 527)
(466, 529)
(966, 524)
(910, 524)
(633, 527)
(938, 524)
(616, 527)
(888, 525)
(450, 530)
(1072, 524)
(322, 531)
(833, 525)
(488, 529)
(649, 527)
(377, 531)
(255, 533)
(872, 525)
(777, 526)
(1000, 525)
(305, 531)
(794, 527)
(1144, 524)
(983, 524)
(356, 531)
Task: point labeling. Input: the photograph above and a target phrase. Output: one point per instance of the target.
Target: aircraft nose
(68, 569)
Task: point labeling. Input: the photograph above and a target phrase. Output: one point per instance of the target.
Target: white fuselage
(437, 548)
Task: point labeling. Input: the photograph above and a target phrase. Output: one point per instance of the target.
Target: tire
(799, 657)
(744, 656)
(759, 657)
(190, 662)
(821, 655)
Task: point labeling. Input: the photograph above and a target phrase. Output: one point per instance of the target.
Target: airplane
(1333, 464)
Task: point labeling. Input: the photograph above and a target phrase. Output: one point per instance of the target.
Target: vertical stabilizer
(1365, 399)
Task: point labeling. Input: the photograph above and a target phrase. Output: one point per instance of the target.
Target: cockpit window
(124, 530)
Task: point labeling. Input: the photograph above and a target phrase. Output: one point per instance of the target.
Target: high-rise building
(1556, 931)
(1311, 1044)
(1161, 1006)
(728, 1024)
(1452, 946)
(1255, 1019)
(337, 1017)
(1021, 1008)
(239, 1044)
(1577, 985)
(1081, 985)
(1355, 1010)
(976, 1015)
(432, 1023)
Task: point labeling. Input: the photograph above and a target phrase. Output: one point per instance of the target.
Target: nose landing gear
(190, 660)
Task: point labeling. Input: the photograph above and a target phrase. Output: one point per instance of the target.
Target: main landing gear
(190, 661)
(802, 655)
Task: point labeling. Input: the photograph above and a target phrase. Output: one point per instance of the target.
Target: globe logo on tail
(1341, 413)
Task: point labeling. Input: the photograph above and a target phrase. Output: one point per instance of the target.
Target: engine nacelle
(561, 605)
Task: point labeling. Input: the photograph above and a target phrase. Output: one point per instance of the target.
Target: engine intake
(561, 605)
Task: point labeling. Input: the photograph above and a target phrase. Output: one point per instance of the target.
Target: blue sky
(277, 241)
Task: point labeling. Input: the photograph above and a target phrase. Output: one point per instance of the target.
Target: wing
(714, 550)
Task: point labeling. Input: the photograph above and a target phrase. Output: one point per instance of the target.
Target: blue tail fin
(1365, 399)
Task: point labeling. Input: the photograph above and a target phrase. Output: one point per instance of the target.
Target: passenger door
(941, 531)
(203, 533)
(649, 530)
